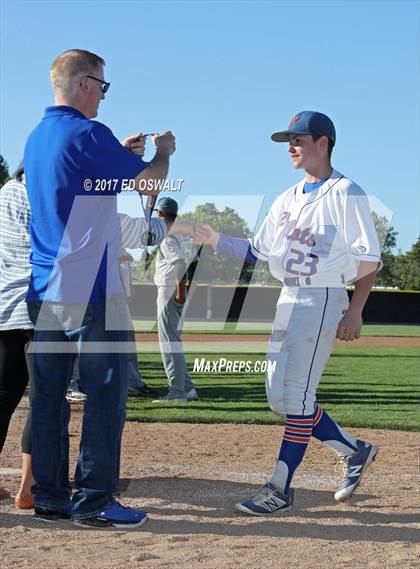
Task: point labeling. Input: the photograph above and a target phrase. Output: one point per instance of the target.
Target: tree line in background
(400, 271)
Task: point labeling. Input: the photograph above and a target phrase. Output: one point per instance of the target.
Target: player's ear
(323, 143)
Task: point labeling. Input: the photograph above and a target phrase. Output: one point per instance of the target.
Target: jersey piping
(315, 350)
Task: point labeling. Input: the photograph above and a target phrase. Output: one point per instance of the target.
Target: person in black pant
(16, 329)
(13, 374)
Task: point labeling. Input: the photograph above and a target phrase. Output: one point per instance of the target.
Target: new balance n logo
(273, 504)
(355, 470)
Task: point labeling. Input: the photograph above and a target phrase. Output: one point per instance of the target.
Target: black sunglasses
(104, 84)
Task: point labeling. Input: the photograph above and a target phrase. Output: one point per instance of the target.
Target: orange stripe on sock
(318, 416)
(296, 430)
(300, 421)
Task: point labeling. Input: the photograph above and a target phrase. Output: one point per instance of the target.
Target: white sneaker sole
(347, 492)
(244, 510)
(169, 400)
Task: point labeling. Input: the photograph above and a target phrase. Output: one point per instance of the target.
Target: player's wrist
(354, 310)
(214, 240)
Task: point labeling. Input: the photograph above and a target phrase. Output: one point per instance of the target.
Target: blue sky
(224, 76)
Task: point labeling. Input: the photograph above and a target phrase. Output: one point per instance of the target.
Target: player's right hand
(350, 326)
(165, 143)
(205, 234)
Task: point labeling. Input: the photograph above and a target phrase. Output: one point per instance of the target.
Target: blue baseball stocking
(297, 434)
(330, 433)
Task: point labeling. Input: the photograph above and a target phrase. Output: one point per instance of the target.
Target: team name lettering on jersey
(305, 237)
(293, 233)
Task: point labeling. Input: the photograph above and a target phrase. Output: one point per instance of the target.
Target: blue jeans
(103, 377)
(135, 378)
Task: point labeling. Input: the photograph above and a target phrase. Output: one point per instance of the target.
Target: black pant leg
(13, 375)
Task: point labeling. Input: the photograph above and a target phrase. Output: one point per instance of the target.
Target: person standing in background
(170, 277)
(136, 385)
(16, 328)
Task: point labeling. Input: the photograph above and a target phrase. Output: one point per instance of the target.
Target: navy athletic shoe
(192, 394)
(115, 516)
(51, 516)
(266, 501)
(354, 467)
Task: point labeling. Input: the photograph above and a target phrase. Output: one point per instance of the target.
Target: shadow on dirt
(211, 501)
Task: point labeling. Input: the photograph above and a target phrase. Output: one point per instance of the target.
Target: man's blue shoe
(115, 516)
(354, 467)
(51, 516)
(266, 501)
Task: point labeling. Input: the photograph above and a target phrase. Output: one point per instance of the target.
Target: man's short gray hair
(70, 66)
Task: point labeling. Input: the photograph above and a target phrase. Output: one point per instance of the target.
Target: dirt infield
(188, 476)
(151, 337)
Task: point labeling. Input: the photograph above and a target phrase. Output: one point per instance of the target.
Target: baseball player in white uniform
(317, 237)
(170, 278)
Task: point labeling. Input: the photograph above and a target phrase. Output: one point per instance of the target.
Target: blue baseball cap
(167, 205)
(307, 122)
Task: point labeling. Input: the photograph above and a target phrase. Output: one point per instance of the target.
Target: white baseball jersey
(317, 239)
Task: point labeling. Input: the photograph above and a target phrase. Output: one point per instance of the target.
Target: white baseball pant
(302, 339)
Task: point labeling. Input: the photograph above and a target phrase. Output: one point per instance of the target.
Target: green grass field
(362, 386)
(211, 327)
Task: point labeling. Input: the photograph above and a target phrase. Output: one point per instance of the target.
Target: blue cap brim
(284, 135)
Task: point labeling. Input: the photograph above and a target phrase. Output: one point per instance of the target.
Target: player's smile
(293, 153)
(295, 157)
(302, 151)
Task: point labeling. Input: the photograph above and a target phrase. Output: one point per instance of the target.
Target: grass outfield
(211, 327)
(363, 386)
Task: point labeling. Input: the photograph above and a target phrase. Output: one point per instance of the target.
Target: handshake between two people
(200, 233)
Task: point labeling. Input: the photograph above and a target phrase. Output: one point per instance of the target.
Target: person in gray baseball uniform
(170, 278)
(136, 385)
